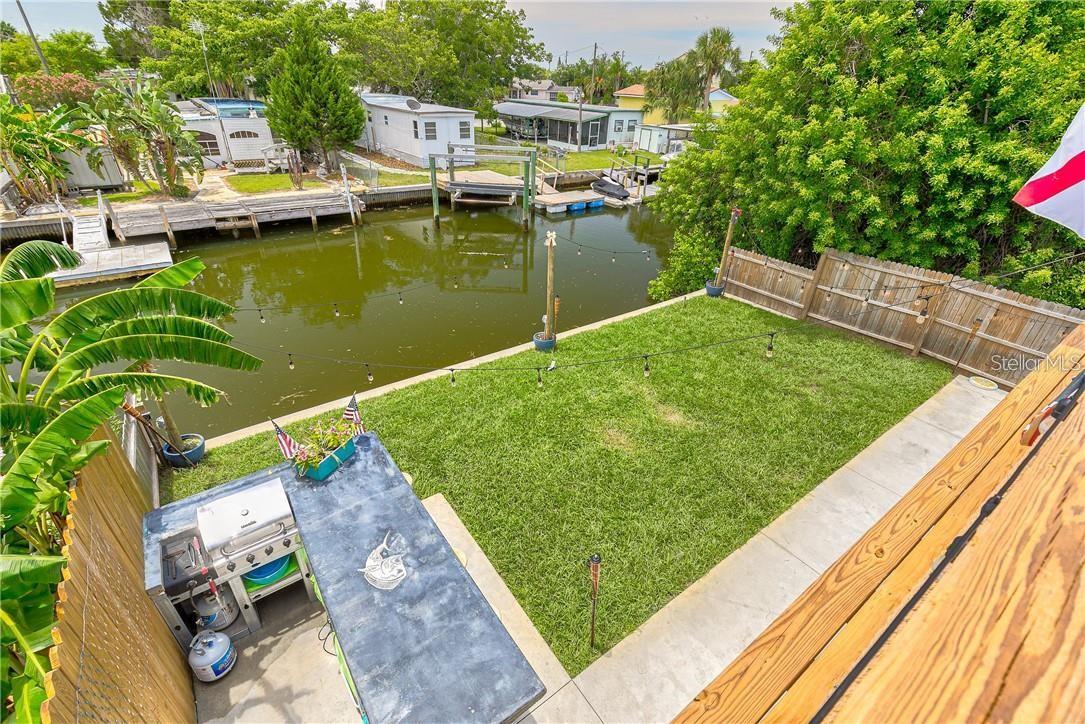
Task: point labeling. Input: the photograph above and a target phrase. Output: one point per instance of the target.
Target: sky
(647, 30)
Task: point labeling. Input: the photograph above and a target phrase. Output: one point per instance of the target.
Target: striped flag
(287, 444)
(352, 414)
(1057, 190)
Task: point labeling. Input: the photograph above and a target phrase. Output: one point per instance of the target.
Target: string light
(262, 319)
(452, 377)
(289, 360)
(336, 308)
(455, 283)
(579, 250)
(829, 295)
(923, 312)
(401, 297)
(613, 257)
(866, 301)
(368, 373)
(844, 266)
(647, 369)
(538, 377)
(780, 276)
(769, 350)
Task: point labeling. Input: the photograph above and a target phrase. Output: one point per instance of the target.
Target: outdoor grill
(231, 535)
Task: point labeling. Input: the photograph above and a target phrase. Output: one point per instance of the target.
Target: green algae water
(473, 287)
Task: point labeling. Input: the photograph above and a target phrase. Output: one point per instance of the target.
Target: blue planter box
(331, 463)
(712, 289)
(190, 458)
(543, 344)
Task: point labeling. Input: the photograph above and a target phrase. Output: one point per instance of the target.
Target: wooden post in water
(721, 273)
(534, 180)
(347, 195)
(433, 191)
(169, 229)
(526, 192)
(551, 309)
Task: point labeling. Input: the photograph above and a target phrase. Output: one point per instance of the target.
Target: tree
(241, 37)
(58, 398)
(144, 131)
(899, 130)
(716, 59)
(67, 51)
(675, 88)
(45, 91)
(18, 56)
(30, 148)
(7, 31)
(489, 42)
(612, 73)
(128, 26)
(311, 101)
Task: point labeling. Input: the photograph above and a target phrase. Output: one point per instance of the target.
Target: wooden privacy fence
(114, 658)
(981, 329)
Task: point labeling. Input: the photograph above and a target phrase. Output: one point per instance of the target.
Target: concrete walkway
(653, 673)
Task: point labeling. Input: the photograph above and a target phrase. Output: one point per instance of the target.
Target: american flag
(352, 414)
(287, 444)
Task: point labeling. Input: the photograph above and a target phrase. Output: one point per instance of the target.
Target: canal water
(474, 287)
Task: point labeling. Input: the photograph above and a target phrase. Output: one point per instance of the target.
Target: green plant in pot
(324, 447)
(53, 397)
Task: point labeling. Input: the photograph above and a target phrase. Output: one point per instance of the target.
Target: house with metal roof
(407, 129)
(570, 125)
(543, 90)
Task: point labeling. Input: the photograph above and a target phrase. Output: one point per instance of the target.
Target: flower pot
(331, 463)
(190, 458)
(543, 344)
(713, 290)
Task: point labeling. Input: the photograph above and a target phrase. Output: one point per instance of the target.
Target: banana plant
(54, 400)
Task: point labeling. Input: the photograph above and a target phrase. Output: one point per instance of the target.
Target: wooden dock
(102, 262)
(234, 216)
(997, 636)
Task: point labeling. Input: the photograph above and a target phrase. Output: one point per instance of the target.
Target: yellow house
(632, 98)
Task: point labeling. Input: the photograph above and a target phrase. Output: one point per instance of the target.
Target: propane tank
(211, 655)
(214, 615)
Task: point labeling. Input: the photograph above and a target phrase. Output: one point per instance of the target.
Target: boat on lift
(610, 188)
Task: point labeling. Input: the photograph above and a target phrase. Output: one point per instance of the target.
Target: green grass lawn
(594, 160)
(258, 183)
(664, 476)
(392, 178)
(141, 191)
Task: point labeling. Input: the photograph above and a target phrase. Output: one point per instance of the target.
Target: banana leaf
(23, 417)
(28, 696)
(60, 438)
(137, 301)
(31, 569)
(148, 383)
(22, 300)
(36, 259)
(159, 347)
(175, 276)
(168, 324)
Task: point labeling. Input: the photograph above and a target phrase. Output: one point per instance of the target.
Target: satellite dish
(413, 104)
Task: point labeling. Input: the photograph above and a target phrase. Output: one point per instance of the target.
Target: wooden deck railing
(980, 633)
(979, 328)
(114, 658)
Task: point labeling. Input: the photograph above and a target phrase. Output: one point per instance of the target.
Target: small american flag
(287, 444)
(352, 415)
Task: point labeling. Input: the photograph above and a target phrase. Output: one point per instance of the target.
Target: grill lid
(245, 515)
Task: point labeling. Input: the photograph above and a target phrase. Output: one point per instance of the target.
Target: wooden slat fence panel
(114, 658)
(883, 300)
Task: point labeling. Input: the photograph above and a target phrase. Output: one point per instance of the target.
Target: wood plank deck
(986, 650)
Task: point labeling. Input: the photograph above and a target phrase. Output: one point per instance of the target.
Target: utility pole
(33, 38)
(721, 273)
(580, 120)
(551, 242)
(594, 50)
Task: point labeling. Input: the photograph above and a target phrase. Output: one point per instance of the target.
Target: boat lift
(486, 182)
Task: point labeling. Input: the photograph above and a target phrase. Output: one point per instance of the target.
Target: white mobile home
(402, 127)
(247, 132)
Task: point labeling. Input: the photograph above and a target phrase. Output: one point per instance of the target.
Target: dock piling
(169, 229)
(433, 191)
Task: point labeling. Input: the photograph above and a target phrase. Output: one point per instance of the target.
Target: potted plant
(324, 447)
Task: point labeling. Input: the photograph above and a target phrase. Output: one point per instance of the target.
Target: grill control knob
(231, 566)
(250, 557)
(268, 551)
(286, 543)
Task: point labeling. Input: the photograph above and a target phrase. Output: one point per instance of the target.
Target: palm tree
(673, 87)
(716, 58)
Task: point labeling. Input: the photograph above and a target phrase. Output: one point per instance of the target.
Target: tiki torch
(593, 567)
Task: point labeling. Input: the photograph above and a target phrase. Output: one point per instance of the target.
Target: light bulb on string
(923, 312)
(866, 301)
(780, 276)
(844, 266)
(452, 377)
(579, 250)
(289, 360)
(769, 348)
(455, 283)
(647, 369)
(335, 307)
(262, 320)
(829, 295)
(538, 377)
(401, 297)
(368, 373)
(613, 257)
